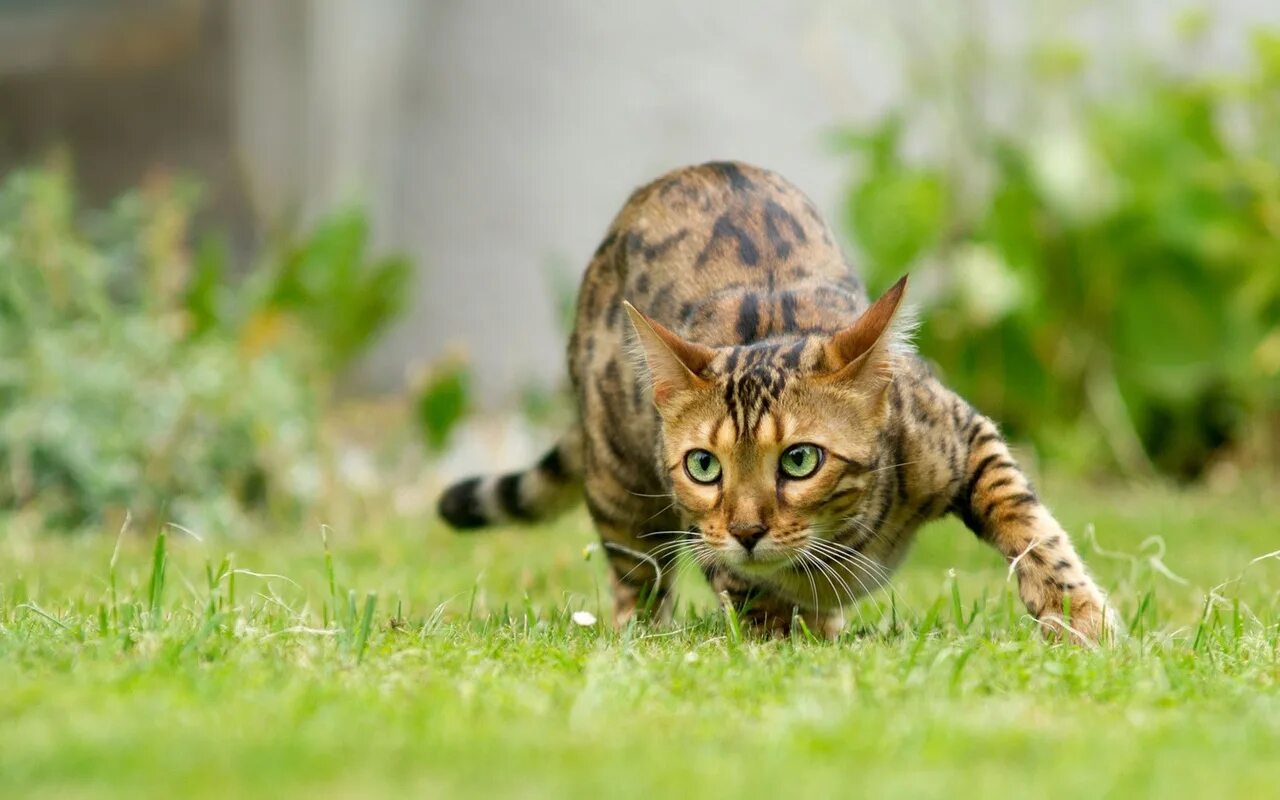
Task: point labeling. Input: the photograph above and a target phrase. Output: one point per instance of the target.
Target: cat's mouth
(757, 563)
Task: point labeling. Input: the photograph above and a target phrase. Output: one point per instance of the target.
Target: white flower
(584, 618)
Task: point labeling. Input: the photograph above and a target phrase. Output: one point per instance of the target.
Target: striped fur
(540, 492)
(718, 316)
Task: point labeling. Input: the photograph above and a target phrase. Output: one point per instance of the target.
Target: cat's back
(722, 253)
(725, 253)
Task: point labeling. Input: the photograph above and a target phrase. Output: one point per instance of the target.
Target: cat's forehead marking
(790, 356)
(750, 393)
(724, 434)
(768, 431)
(755, 376)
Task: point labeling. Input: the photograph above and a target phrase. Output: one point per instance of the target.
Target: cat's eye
(800, 460)
(702, 466)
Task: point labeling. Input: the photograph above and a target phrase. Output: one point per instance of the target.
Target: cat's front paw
(1084, 618)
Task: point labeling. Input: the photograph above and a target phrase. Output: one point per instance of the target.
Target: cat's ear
(674, 365)
(860, 352)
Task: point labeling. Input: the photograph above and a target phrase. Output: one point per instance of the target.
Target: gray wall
(493, 141)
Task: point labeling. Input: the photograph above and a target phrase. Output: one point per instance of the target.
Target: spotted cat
(739, 398)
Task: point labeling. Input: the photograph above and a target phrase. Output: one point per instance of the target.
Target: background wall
(493, 141)
(496, 145)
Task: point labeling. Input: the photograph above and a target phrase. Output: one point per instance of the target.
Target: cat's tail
(540, 492)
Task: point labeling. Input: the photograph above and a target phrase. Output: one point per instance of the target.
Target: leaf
(203, 298)
(441, 404)
(896, 214)
(329, 285)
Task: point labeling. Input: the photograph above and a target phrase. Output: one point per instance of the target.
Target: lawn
(452, 667)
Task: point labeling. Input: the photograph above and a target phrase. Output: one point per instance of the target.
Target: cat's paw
(1085, 620)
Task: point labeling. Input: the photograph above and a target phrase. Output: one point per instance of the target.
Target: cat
(738, 397)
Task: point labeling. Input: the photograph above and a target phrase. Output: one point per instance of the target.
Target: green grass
(405, 660)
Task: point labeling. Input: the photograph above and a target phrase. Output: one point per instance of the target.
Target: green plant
(441, 402)
(1112, 292)
(327, 281)
(134, 376)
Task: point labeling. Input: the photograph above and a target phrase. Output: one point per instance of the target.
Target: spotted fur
(719, 314)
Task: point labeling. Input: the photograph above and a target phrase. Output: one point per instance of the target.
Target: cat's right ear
(674, 365)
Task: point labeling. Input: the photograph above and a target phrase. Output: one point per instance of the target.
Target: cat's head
(771, 447)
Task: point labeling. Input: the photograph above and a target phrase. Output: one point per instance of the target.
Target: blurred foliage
(327, 283)
(441, 402)
(1106, 282)
(137, 376)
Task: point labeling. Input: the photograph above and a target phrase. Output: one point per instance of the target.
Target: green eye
(702, 466)
(801, 460)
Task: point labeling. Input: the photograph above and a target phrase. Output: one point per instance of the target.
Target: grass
(406, 660)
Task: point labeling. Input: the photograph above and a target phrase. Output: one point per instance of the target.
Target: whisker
(894, 466)
(866, 591)
(844, 553)
(872, 533)
(799, 558)
(839, 545)
(653, 557)
(851, 557)
(647, 534)
(813, 587)
(640, 558)
(817, 564)
(830, 574)
(851, 554)
(669, 548)
(662, 510)
(703, 556)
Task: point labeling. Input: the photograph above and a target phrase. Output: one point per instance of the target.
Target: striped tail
(540, 492)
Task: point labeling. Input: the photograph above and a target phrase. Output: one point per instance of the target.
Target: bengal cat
(739, 397)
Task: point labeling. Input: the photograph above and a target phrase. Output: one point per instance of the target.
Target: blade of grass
(155, 590)
(366, 624)
(731, 619)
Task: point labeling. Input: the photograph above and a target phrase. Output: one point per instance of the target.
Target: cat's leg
(640, 539)
(997, 502)
(766, 612)
(641, 581)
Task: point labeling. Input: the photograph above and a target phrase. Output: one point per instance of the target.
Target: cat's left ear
(860, 352)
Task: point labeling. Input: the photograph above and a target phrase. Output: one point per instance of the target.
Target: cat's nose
(748, 533)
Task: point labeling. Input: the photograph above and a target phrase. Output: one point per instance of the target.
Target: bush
(1113, 295)
(136, 377)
